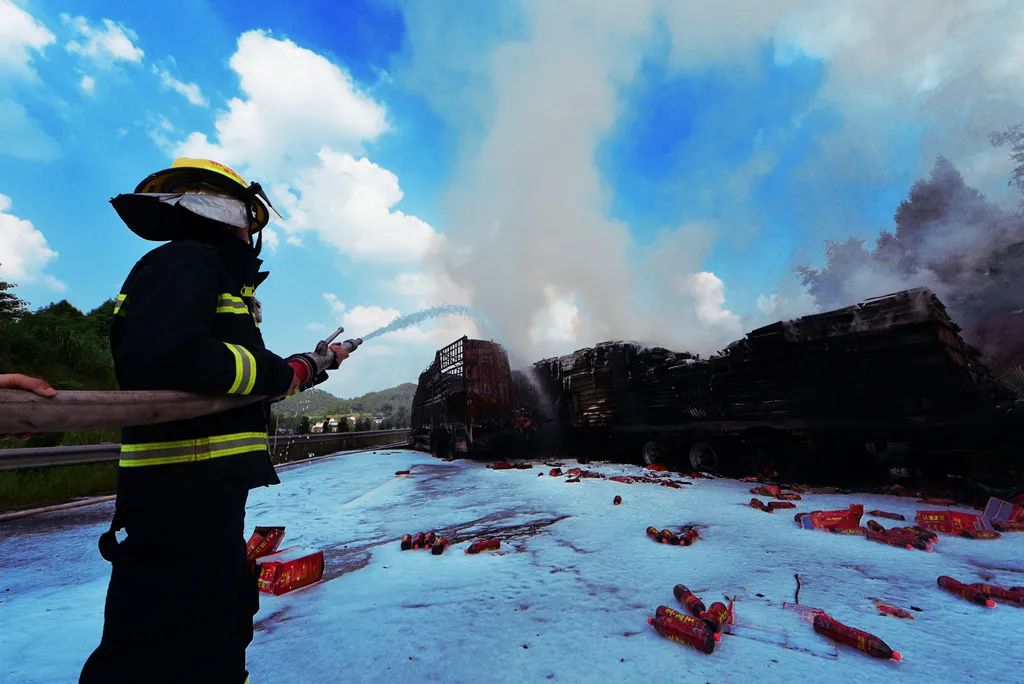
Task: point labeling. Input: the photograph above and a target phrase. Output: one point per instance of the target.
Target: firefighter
(182, 596)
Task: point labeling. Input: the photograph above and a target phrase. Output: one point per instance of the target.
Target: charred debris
(886, 382)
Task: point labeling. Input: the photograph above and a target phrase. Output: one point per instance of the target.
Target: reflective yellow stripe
(191, 450)
(233, 348)
(245, 369)
(252, 373)
(230, 304)
(248, 291)
(119, 303)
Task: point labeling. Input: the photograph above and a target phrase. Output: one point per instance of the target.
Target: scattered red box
(289, 570)
(951, 522)
(264, 541)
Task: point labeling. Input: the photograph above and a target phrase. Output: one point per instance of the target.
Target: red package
(670, 537)
(264, 541)
(620, 478)
(788, 496)
(858, 639)
(760, 505)
(689, 536)
(885, 514)
(689, 600)
(501, 465)
(555, 472)
(767, 490)
(833, 520)
(665, 611)
(965, 592)
(897, 538)
(886, 609)
(689, 631)
(951, 522)
(980, 534)
(484, 545)
(289, 570)
(401, 472)
(777, 505)
(574, 472)
(657, 467)
(1012, 596)
(716, 616)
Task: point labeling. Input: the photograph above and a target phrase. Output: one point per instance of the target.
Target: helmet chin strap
(258, 246)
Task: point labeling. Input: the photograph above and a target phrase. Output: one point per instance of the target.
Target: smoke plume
(949, 238)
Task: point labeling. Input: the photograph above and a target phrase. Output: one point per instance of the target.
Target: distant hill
(393, 402)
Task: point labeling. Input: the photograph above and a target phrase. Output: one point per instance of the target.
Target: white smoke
(531, 239)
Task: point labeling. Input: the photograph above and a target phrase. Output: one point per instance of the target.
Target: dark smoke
(949, 238)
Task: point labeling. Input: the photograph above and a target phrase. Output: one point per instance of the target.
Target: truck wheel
(703, 456)
(652, 451)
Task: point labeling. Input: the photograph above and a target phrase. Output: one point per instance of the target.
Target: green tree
(12, 307)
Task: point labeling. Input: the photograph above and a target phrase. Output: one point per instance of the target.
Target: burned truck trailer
(465, 401)
(886, 380)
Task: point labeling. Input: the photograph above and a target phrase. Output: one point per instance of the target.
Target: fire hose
(25, 412)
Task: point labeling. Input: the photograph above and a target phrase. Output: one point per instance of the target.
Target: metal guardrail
(283, 449)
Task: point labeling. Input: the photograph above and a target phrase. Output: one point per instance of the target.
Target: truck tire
(703, 456)
(653, 451)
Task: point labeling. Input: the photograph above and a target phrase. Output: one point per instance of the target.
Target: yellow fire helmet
(186, 172)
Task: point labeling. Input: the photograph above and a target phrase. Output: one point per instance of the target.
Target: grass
(73, 438)
(38, 486)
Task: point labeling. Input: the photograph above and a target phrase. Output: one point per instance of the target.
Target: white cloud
(190, 91)
(316, 327)
(294, 102)
(21, 35)
(301, 137)
(350, 204)
(366, 319)
(337, 306)
(24, 250)
(88, 84)
(105, 45)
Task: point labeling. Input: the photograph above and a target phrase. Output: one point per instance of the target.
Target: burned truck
(465, 402)
(886, 381)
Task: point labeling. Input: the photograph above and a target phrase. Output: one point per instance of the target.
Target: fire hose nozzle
(351, 345)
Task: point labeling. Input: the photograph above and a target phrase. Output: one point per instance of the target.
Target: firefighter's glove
(317, 363)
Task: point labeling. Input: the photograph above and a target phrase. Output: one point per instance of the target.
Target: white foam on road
(567, 597)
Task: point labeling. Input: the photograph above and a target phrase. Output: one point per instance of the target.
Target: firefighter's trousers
(181, 599)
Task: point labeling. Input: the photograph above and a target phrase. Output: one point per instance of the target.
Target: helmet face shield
(209, 177)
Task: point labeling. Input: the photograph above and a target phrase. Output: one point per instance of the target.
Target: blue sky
(577, 170)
